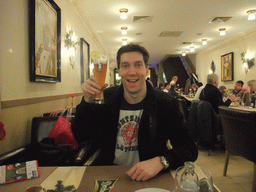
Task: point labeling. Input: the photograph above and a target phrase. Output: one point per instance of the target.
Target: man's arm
(145, 170)
(183, 147)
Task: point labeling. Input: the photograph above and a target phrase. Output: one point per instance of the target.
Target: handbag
(62, 133)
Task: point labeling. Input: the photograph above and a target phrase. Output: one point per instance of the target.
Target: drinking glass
(99, 71)
(204, 176)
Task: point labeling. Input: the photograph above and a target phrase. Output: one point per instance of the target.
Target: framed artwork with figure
(45, 41)
(85, 60)
(227, 67)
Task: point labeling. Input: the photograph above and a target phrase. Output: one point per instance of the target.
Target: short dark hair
(240, 82)
(166, 84)
(132, 48)
(199, 84)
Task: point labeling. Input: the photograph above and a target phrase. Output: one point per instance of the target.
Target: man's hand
(145, 170)
(91, 87)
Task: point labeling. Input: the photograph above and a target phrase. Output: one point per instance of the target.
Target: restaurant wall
(21, 100)
(242, 43)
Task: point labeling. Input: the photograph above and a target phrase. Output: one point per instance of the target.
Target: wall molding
(29, 101)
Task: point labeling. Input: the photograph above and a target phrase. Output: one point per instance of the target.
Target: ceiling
(188, 20)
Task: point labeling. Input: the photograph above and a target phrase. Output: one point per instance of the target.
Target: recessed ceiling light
(251, 15)
(124, 30)
(204, 41)
(123, 12)
(222, 31)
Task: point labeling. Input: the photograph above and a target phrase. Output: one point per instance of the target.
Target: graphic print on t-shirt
(127, 137)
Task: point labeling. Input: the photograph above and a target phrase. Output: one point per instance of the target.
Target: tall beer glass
(99, 71)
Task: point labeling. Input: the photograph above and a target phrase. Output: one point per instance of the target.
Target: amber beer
(100, 70)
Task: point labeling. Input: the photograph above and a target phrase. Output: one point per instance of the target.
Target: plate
(152, 190)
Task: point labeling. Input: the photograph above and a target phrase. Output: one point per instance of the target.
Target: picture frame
(85, 59)
(227, 67)
(45, 41)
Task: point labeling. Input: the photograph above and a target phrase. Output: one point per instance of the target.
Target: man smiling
(136, 121)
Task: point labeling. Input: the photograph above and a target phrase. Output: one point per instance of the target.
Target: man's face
(216, 83)
(168, 87)
(238, 87)
(133, 71)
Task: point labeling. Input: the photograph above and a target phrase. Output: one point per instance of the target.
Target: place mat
(69, 176)
(124, 183)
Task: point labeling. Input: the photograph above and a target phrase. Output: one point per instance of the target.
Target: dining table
(242, 107)
(86, 181)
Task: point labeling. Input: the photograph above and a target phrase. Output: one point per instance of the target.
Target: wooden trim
(29, 101)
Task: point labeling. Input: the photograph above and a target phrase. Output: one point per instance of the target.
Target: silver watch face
(164, 161)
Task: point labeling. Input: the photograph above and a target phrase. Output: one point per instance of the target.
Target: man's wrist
(164, 162)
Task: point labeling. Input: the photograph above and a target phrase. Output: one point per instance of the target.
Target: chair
(192, 119)
(239, 129)
(40, 129)
(208, 124)
(203, 123)
(183, 108)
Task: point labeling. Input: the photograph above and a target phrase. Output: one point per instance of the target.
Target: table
(188, 98)
(123, 184)
(21, 186)
(244, 108)
(91, 173)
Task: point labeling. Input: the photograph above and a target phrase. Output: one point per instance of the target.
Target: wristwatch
(164, 162)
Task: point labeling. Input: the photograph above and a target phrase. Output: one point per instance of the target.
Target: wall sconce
(124, 30)
(204, 41)
(123, 12)
(222, 31)
(248, 60)
(183, 54)
(70, 44)
(251, 15)
(124, 41)
(192, 49)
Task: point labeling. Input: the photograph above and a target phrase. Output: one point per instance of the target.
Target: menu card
(18, 172)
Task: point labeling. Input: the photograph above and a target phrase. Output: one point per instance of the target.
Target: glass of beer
(99, 71)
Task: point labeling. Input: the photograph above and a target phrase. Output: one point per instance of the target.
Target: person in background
(212, 94)
(222, 90)
(238, 88)
(172, 91)
(148, 79)
(166, 87)
(174, 80)
(200, 88)
(251, 88)
(135, 122)
(161, 87)
(187, 85)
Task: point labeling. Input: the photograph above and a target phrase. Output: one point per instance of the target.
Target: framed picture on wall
(85, 59)
(227, 67)
(45, 41)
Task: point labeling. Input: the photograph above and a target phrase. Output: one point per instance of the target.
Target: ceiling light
(222, 31)
(183, 54)
(192, 49)
(124, 30)
(251, 15)
(204, 41)
(123, 13)
(124, 41)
